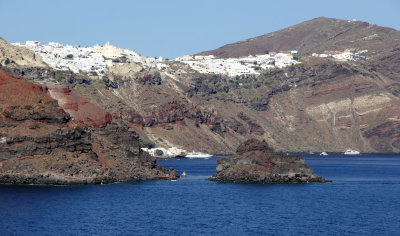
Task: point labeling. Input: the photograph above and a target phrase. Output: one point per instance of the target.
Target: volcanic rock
(82, 110)
(321, 104)
(255, 161)
(41, 144)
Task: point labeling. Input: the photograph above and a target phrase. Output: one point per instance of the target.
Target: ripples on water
(362, 200)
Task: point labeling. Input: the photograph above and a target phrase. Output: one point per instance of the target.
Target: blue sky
(175, 27)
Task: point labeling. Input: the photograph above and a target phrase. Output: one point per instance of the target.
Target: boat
(194, 154)
(184, 173)
(351, 152)
(323, 154)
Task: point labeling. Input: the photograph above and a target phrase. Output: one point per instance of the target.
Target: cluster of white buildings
(92, 60)
(239, 66)
(166, 153)
(347, 55)
(95, 60)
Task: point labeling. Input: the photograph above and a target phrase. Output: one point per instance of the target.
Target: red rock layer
(81, 110)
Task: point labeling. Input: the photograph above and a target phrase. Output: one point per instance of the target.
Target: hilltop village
(239, 66)
(347, 55)
(96, 60)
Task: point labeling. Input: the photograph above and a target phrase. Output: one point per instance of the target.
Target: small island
(256, 162)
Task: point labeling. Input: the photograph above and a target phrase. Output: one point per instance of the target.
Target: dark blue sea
(363, 199)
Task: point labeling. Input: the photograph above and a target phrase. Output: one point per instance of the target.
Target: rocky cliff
(42, 144)
(13, 56)
(321, 104)
(255, 161)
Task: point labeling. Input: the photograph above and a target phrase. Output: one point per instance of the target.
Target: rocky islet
(254, 161)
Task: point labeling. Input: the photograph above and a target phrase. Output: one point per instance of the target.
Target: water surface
(362, 200)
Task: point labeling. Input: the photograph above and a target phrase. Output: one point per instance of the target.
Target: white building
(346, 55)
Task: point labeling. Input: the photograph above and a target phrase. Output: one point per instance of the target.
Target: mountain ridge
(315, 34)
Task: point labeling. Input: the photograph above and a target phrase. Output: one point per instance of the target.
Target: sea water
(363, 199)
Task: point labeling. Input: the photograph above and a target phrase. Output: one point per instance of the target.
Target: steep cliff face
(322, 104)
(255, 161)
(333, 105)
(158, 108)
(42, 144)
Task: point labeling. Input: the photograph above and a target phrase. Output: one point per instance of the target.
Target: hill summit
(315, 36)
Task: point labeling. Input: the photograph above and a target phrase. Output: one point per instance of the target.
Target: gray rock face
(255, 161)
(78, 156)
(76, 139)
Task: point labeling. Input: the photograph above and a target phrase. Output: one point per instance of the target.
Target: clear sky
(172, 28)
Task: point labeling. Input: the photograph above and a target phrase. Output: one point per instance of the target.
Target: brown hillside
(317, 35)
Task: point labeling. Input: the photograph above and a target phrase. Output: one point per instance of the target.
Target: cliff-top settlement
(98, 59)
(92, 60)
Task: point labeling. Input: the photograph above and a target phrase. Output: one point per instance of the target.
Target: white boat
(194, 154)
(351, 152)
(323, 154)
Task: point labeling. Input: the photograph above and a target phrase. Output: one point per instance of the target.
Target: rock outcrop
(12, 56)
(41, 144)
(255, 161)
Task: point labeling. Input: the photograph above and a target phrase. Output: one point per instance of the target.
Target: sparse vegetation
(146, 144)
(221, 96)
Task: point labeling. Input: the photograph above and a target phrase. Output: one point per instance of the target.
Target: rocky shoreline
(256, 162)
(40, 143)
